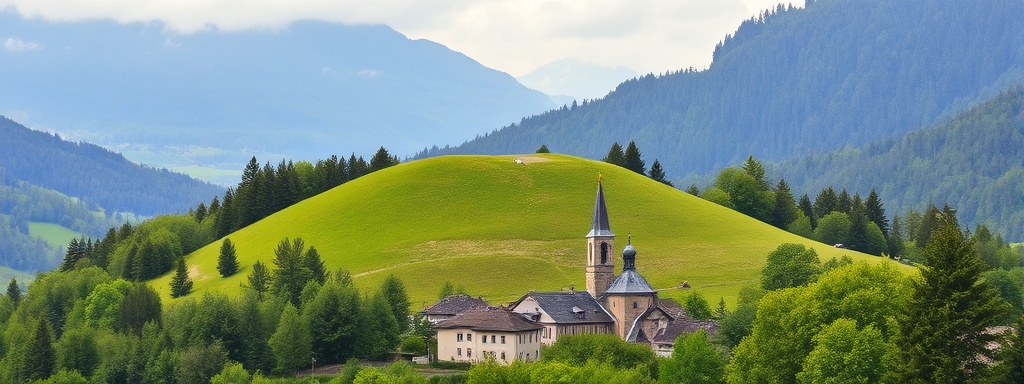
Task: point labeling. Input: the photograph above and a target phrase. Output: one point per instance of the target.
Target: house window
(604, 253)
(503, 355)
(469, 352)
(634, 304)
(503, 342)
(458, 352)
(492, 339)
(469, 337)
(458, 337)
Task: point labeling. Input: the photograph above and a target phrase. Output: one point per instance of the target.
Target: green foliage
(120, 360)
(394, 291)
(54, 295)
(413, 344)
(64, 377)
(696, 306)
(790, 265)
(227, 262)
(181, 285)
(291, 274)
(543, 149)
(260, 280)
(14, 292)
(845, 354)
(399, 372)
(784, 211)
(943, 330)
(233, 373)
(693, 361)
(801, 227)
(746, 193)
(382, 159)
(1010, 285)
(291, 341)
(579, 350)
(40, 357)
(104, 303)
(141, 305)
(77, 350)
(834, 228)
(556, 372)
(379, 335)
(449, 289)
(615, 155)
(199, 363)
(334, 322)
(632, 159)
(787, 320)
(658, 174)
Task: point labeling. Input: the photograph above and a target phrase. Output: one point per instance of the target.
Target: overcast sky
(515, 36)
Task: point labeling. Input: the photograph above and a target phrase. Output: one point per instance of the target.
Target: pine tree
(40, 357)
(227, 219)
(633, 161)
(826, 203)
(382, 159)
(315, 266)
(895, 239)
(615, 156)
(692, 189)
(214, 206)
(250, 204)
(291, 275)
(543, 149)
(200, 213)
(785, 210)
(658, 174)
(808, 210)
(845, 203)
(929, 223)
(227, 263)
(14, 292)
(357, 167)
(75, 252)
(756, 170)
(291, 342)
(259, 279)
(876, 213)
(943, 332)
(394, 290)
(181, 284)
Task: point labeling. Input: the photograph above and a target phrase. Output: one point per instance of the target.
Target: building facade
(488, 334)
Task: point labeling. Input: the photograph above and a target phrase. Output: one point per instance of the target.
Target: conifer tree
(200, 213)
(382, 159)
(895, 238)
(227, 263)
(876, 213)
(615, 156)
(259, 279)
(357, 167)
(14, 292)
(315, 266)
(40, 356)
(227, 217)
(632, 159)
(291, 275)
(394, 290)
(291, 342)
(214, 206)
(808, 209)
(756, 170)
(784, 210)
(943, 332)
(658, 174)
(181, 284)
(75, 252)
(845, 202)
(543, 149)
(692, 189)
(826, 202)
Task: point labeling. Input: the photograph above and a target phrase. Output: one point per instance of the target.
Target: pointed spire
(600, 225)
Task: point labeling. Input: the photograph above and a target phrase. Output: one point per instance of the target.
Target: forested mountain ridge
(215, 98)
(974, 161)
(794, 81)
(99, 177)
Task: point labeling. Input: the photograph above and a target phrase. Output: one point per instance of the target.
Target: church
(625, 305)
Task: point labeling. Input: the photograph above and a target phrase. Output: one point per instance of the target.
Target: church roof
(629, 281)
(569, 307)
(600, 225)
(455, 304)
(489, 319)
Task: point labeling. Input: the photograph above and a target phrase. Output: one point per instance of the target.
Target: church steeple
(600, 248)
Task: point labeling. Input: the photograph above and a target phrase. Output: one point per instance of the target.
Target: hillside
(96, 176)
(209, 100)
(974, 161)
(795, 81)
(501, 229)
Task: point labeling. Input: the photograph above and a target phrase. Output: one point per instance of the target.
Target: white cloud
(370, 73)
(515, 36)
(18, 45)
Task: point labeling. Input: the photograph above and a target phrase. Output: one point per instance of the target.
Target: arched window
(604, 253)
(634, 304)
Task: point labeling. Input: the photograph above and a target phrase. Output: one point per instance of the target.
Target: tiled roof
(489, 319)
(454, 304)
(564, 307)
(629, 282)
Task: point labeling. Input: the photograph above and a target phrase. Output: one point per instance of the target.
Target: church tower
(600, 249)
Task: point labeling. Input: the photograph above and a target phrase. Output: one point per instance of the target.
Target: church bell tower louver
(600, 249)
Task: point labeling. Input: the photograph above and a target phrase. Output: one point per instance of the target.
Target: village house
(450, 306)
(488, 333)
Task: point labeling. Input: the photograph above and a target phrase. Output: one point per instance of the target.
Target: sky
(514, 36)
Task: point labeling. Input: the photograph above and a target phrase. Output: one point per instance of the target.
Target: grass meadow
(501, 229)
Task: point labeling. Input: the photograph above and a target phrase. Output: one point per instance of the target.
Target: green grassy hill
(502, 229)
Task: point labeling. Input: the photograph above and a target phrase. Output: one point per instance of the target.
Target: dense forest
(793, 81)
(94, 175)
(973, 161)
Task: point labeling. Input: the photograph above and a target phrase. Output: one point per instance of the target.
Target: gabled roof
(600, 226)
(629, 282)
(566, 307)
(489, 319)
(454, 304)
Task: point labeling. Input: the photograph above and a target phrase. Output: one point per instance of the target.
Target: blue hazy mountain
(214, 98)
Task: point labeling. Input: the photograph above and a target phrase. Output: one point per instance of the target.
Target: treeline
(632, 160)
(85, 324)
(20, 251)
(794, 81)
(971, 161)
(154, 247)
(96, 176)
(839, 219)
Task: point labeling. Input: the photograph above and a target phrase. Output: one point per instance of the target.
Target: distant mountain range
(795, 81)
(212, 99)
